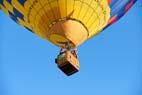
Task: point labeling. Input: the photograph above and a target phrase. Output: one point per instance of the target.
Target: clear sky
(111, 63)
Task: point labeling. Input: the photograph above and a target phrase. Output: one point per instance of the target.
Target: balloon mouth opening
(69, 42)
(61, 41)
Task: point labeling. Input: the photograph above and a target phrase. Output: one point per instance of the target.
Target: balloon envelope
(66, 21)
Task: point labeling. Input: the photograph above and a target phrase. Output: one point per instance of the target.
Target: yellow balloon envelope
(60, 21)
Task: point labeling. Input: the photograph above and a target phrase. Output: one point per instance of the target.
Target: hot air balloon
(66, 23)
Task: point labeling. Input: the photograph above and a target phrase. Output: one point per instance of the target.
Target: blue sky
(111, 63)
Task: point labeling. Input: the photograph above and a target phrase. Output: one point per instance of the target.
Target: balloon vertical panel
(62, 8)
(70, 8)
(55, 9)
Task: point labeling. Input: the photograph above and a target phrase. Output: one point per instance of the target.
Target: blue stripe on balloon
(29, 29)
(118, 6)
(22, 2)
(13, 16)
(18, 14)
(9, 1)
(1, 2)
